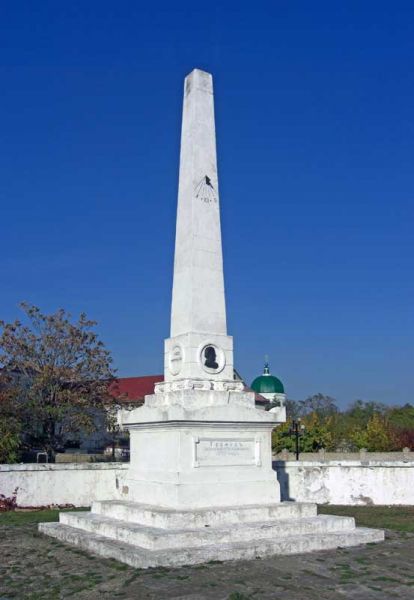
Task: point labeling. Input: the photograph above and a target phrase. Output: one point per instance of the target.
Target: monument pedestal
(146, 536)
(201, 484)
(199, 448)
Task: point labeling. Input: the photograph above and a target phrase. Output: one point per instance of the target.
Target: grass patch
(30, 517)
(375, 588)
(137, 573)
(363, 560)
(398, 518)
(389, 579)
(345, 572)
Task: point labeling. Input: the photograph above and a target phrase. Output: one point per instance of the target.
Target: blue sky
(315, 127)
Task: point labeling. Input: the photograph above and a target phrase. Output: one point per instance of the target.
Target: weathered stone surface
(168, 468)
(120, 530)
(348, 482)
(352, 483)
(155, 538)
(211, 517)
(140, 557)
(77, 484)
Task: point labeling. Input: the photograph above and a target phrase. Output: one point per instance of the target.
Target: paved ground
(35, 567)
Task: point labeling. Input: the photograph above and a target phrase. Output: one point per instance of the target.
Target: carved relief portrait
(210, 358)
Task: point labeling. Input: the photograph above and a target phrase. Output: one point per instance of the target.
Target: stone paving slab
(35, 567)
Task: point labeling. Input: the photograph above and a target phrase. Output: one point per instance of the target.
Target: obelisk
(200, 484)
(199, 440)
(199, 348)
(198, 264)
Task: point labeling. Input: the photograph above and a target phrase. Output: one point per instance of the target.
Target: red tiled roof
(134, 389)
(258, 398)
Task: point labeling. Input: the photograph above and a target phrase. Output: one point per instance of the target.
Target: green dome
(267, 383)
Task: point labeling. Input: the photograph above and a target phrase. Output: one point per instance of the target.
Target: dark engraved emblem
(210, 358)
(205, 190)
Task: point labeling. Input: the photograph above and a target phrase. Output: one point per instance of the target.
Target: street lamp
(297, 429)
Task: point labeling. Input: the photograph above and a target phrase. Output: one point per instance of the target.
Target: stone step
(167, 518)
(154, 538)
(143, 558)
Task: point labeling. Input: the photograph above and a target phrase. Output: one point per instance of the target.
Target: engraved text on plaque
(212, 452)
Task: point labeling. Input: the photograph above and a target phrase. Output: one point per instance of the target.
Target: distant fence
(349, 482)
(404, 455)
(47, 484)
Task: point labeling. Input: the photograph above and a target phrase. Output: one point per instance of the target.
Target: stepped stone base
(146, 536)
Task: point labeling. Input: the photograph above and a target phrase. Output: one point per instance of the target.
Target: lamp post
(297, 429)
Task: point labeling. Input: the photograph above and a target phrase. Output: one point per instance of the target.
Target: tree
(315, 435)
(293, 409)
(360, 412)
(10, 430)
(402, 417)
(404, 438)
(320, 404)
(401, 420)
(281, 438)
(62, 372)
(376, 437)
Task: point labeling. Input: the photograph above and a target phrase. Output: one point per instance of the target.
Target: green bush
(9, 441)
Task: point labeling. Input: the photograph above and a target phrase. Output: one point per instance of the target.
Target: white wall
(324, 482)
(347, 482)
(78, 484)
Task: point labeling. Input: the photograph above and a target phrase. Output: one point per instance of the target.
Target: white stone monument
(200, 450)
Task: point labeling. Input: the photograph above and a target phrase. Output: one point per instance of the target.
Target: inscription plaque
(219, 452)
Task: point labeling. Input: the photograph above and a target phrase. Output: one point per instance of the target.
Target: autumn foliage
(56, 373)
(369, 425)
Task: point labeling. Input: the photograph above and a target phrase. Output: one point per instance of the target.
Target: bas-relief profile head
(210, 358)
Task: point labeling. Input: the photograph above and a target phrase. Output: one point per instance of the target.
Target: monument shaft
(198, 303)
(199, 348)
